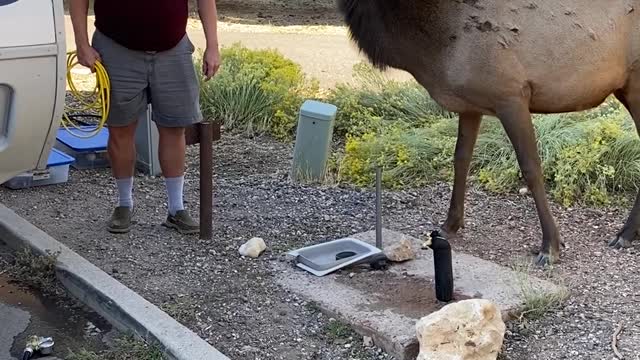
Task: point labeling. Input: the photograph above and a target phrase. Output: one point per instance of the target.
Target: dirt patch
(404, 295)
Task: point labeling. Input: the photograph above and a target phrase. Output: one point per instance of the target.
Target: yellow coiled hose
(98, 100)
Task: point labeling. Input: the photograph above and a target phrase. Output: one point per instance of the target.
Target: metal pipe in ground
(206, 180)
(379, 208)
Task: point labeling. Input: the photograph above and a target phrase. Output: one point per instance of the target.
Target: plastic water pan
(90, 153)
(57, 172)
(322, 259)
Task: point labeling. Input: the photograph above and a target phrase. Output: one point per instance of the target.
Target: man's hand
(210, 62)
(87, 56)
(209, 15)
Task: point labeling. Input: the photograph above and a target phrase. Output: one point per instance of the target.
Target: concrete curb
(118, 304)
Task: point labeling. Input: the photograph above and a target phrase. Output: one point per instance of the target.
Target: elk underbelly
(556, 93)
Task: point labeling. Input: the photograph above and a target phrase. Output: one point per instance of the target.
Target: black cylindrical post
(443, 267)
(379, 208)
(206, 181)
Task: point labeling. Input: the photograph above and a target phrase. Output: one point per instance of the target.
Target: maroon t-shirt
(147, 25)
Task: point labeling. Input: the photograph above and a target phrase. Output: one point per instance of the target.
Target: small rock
(367, 341)
(400, 251)
(253, 248)
(523, 191)
(340, 341)
(469, 329)
(247, 349)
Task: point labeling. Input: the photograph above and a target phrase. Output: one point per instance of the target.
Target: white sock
(125, 189)
(174, 193)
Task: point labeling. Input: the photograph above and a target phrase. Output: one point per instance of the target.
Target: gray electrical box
(147, 139)
(313, 140)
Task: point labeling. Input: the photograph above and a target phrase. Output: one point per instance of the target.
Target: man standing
(145, 49)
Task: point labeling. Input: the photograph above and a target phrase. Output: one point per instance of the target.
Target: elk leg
(516, 120)
(625, 236)
(468, 128)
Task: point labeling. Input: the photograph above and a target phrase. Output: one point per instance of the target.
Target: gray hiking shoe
(120, 221)
(182, 222)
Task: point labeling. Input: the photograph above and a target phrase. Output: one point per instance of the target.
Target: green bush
(587, 157)
(374, 103)
(408, 157)
(256, 91)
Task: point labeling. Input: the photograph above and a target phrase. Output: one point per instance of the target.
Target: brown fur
(508, 59)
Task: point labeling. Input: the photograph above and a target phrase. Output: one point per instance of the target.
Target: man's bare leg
(122, 156)
(171, 152)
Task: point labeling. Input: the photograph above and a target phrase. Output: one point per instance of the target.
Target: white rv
(32, 82)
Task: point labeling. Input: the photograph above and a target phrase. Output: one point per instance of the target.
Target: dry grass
(36, 271)
(126, 347)
(537, 302)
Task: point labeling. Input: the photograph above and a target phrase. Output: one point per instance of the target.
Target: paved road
(327, 57)
(15, 321)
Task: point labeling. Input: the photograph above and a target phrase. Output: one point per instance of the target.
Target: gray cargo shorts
(167, 80)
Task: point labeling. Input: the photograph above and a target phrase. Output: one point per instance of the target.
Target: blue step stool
(90, 153)
(57, 172)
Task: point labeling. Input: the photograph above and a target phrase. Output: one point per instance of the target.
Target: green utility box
(313, 140)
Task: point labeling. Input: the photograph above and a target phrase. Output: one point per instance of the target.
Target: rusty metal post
(206, 180)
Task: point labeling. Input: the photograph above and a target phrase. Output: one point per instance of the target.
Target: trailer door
(32, 82)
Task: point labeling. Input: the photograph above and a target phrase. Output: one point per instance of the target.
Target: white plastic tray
(321, 260)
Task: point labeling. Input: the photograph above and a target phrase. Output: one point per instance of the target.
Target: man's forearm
(209, 17)
(78, 9)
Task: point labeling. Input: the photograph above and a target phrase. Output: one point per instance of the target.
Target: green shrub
(585, 168)
(408, 157)
(374, 103)
(586, 156)
(256, 91)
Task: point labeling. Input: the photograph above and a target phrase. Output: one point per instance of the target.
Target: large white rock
(465, 330)
(253, 248)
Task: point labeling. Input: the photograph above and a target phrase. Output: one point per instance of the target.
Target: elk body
(509, 59)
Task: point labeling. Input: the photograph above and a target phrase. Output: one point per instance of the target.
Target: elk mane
(366, 20)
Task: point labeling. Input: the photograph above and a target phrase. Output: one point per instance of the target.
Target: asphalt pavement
(15, 322)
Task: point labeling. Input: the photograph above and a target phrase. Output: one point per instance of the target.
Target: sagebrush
(256, 92)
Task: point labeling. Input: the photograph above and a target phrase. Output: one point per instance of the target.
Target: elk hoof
(451, 227)
(545, 259)
(619, 242)
(450, 235)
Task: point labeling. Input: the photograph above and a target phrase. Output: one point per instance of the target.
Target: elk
(508, 59)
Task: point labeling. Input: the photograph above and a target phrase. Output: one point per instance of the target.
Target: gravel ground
(234, 303)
